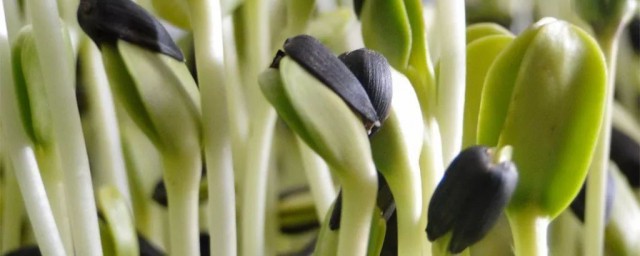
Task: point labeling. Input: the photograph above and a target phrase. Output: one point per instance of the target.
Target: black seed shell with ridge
(106, 21)
(470, 198)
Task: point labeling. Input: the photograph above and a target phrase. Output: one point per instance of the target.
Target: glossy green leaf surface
(498, 88)
(551, 81)
(481, 53)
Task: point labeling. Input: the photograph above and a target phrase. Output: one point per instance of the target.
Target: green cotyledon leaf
(158, 93)
(499, 83)
(554, 115)
(484, 29)
(319, 116)
(481, 53)
(386, 29)
(30, 86)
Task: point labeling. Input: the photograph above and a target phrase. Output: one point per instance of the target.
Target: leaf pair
(544, 95)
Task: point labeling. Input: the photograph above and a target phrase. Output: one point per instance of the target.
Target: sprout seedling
(544, 95)
(148, 76)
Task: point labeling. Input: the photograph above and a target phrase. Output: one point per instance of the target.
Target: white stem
(22, 159)
(33, 192)
(319, 178)
(254, 197)
(12, 16)
(108, 161)
(451, 84)
(407, 195)
(431, 169)
(206, 19)
(182, 173)
(262, 124)
(58, 69)
(358, 202)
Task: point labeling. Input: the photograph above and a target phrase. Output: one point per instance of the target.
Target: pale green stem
(206, 20)
(12, 209)
(58, 70)
(451, 81)
(597, 177)
(13, 18)
(431, 170)
(261, 127)
(405, 191)
(108, 160)
(49, 164)
(182, 178)
(35, 197)
(22, 159)
(254, 201)
(358, 203)
(529, 233)
(319, 178)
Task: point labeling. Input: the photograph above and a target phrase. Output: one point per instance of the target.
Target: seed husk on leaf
(107, 21)
(373, 72)
(316, 59)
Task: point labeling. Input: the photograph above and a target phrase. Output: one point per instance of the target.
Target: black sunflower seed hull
(316, 59)
(106, 21)
(374, 73)
(470, 198)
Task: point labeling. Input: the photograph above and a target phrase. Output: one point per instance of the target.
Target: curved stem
(410, 232)
(319, 178)
(261, 127)
(58, 69)
(206, 19)
(359, 197)
(529, 233)
(431, 170)
(254, 197)
(451, 81)
(182, 177)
